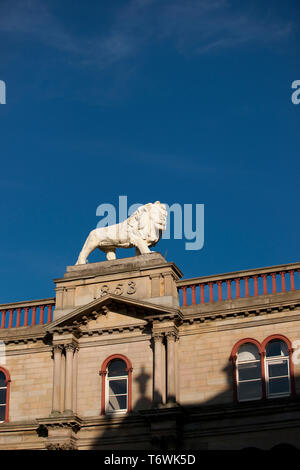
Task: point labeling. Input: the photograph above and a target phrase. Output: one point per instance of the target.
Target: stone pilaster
(158, 370)
(69, 348)
(171, 366)
(56, 393)
(75, 372)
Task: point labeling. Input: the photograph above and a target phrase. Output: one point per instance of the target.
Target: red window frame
(234, 368)
(262, 352)
(7, 380)
(290, 351)
(103, 372)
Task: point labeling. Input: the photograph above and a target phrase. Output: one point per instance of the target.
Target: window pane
(117, 387)
(280, 385)
(116, 368)
(247, 352)
(249, 390)
(117, 403)
(249, 370)
(2, 379)
(278, 368)
(2, 413)
(3, 396)
(276, 348)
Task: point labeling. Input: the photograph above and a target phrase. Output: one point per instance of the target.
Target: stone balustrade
(239, 284)
(33, 312)
(200, 290)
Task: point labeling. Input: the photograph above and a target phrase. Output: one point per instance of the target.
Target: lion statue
(141, 230)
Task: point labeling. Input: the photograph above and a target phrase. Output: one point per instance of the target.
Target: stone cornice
(24, 335)
(208, 327)
(136, 264)
(110, 302)
(113, 329)
(253, 306)
(24, 426)
(60, 421)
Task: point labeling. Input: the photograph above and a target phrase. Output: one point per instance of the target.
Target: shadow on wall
(218, 423)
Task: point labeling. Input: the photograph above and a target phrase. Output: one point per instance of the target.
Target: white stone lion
(141, 230)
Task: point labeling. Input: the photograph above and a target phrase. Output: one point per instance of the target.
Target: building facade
(130, 356)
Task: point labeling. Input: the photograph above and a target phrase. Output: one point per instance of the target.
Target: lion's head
(149, 221)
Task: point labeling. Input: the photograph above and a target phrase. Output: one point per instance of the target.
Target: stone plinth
(146, 277)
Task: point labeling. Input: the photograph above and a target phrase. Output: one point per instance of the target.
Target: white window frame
(107, 381)
(247, 381)
(4, 405)
(269, 360)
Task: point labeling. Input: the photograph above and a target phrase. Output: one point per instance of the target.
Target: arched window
(116, 374)
(277, 368)
(248, 372)
(263, 371)
(4, 394)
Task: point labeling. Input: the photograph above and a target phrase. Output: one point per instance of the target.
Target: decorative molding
(158, 336)
(70, 346)
(69, 445)
(60, 421)
(171, 335)
(201, 327)
(235, 312)
(58, 348)
(113, 329)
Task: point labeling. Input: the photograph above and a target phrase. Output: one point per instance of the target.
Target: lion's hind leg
(110, 253)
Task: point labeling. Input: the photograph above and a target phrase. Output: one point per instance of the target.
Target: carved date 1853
(119, 289)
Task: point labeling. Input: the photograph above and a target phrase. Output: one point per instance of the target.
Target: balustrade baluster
(237, 288)
(265, 288)
(3, 319)
(255, 286)
(50, 312)
(18, 317)
(10, 321)
(220, 298)
(228, 282)
(33, 317)
(184, 296)
(26, 310)
(246, 286)
(42, 314)
(211, 292)
(273, 283)
(282, 281)
(202, 301)
(193, 295)
(292, 279)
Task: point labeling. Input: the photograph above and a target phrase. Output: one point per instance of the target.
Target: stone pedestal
(146, 277)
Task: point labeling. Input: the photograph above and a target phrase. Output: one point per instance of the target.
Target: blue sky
(178, 101)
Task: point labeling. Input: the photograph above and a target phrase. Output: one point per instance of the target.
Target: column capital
(57, 348)
(70, 347)
(154, 276)
(171, 336)
(157, 336)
